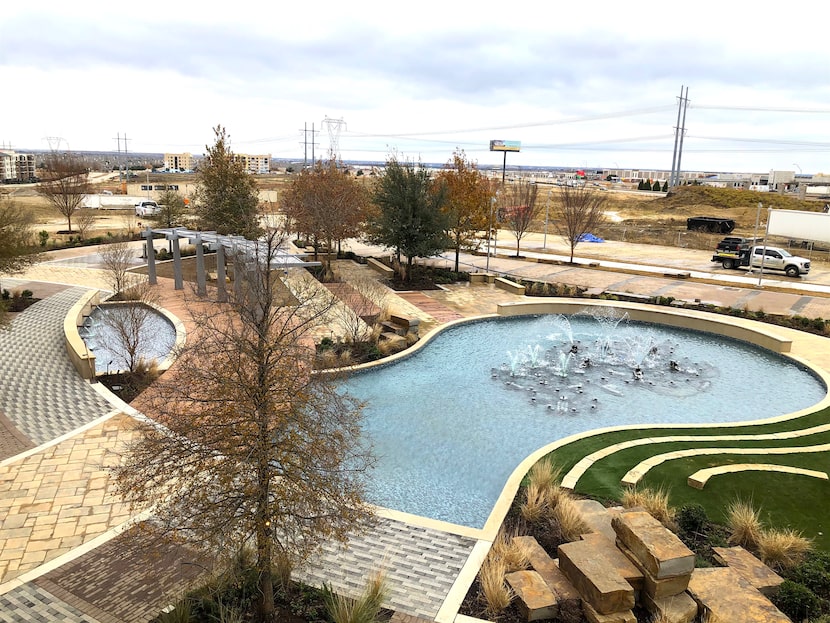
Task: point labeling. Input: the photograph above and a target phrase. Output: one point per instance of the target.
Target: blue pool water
(450, 423)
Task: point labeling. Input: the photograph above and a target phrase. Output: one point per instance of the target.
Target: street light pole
(489, 232)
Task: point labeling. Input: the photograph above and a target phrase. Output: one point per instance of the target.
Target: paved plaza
(61, 557)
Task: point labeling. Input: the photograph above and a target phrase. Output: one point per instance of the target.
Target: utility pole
(679, 133)
(676, 139)
(682, 134)
(305, 132)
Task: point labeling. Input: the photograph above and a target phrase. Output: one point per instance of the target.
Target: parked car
(147, 208)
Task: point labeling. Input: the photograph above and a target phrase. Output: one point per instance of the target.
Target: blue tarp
(590, 238)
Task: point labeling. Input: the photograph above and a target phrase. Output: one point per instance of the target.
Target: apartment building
(178, 162)
(258, 164)
(16, 167)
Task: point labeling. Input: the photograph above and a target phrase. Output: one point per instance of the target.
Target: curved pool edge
(804, 348)
(178, 326)
(809, 350)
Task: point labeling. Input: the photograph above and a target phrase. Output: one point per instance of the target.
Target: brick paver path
(426, 303)
(59, 498)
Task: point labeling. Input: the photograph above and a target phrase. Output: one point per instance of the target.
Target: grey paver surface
(32, 604)
(41, 392)
(421, 565)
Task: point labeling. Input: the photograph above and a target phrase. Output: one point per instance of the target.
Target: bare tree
(578, 211)
(84, 222)
(116, 259)
(173, 211)
(250, 446)
(518, 208)
(64, 183)
(364, 304)
(128, 323)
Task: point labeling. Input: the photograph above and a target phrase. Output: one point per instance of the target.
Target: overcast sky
(591, 84)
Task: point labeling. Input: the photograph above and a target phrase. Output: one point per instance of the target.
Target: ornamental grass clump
(364, 609)
(535, 506)
(497, 595)
(744, 524)
(654, 501)
(567, 517)
(783, 549)
(508, 550)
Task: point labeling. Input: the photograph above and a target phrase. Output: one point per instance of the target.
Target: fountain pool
(450, 423)
(110, 326)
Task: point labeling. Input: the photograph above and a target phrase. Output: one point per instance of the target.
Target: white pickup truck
(147, 208)
(773, 258)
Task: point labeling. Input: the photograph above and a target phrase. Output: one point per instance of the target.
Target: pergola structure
(243, 252)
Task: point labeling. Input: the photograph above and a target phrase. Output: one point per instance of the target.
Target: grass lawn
(785, 500)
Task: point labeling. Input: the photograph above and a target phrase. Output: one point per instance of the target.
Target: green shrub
(6, 295)
(27, 294)
(797, 601)
(814, 573)
(325, 344)
(691, 519)
(43, 236)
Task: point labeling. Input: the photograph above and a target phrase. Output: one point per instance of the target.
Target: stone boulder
(536, 600)
(657, 549)
(599, 583)
(750, 568)
(726, 597)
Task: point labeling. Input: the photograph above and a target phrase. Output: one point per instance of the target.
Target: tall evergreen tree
(227, 198)
(408, 216)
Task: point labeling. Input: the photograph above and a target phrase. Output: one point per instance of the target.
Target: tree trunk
(409, 260)
(457, 253)
(518, 244)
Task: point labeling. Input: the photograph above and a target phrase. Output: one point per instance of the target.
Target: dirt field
(634, 216)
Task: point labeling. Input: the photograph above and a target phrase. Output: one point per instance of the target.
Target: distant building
(8, 166)
(178, 162)
(259, 164)
(16, 167)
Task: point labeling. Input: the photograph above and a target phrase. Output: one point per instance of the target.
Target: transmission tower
(55, 143)
(334, 127)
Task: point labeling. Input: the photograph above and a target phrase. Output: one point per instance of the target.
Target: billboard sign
(505, 145)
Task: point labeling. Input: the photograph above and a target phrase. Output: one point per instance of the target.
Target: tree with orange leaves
(326, 203)
(467, 200)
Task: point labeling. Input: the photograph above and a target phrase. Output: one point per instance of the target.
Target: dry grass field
(634, 216)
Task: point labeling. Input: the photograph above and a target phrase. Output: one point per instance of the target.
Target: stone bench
(630, 296)
(380, 267)
(677, 274)
(476, 278)
(509, 286)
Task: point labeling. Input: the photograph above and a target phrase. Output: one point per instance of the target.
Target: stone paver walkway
(41, 393)
(421, 565)
(60, 497)
(55, 500)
